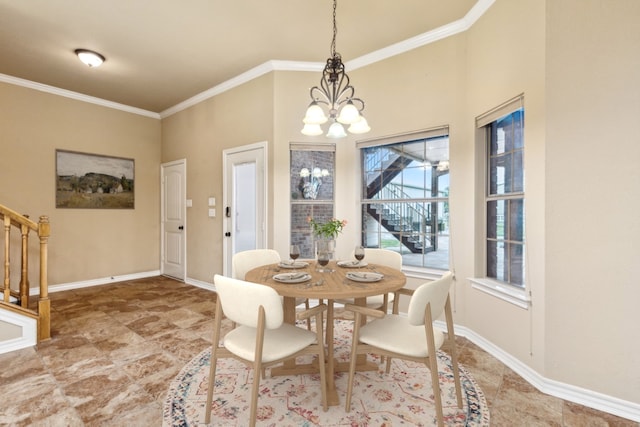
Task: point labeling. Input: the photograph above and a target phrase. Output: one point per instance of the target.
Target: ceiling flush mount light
(89, 57)
(336, 95)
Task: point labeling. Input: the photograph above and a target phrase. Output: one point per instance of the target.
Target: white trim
(423, 39)
(201, 284)
(579, 395)
(505, 292)
(77, 96)
(28, 337)
(96, 282)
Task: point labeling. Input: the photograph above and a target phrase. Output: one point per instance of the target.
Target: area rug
(402, 397)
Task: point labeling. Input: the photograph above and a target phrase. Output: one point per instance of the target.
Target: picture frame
(94, 181)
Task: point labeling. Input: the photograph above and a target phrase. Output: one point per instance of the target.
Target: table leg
(332, 393)
(361, 360)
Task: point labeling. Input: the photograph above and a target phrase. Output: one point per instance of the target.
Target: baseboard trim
(571, 393)
(96, 282)
(200, 284)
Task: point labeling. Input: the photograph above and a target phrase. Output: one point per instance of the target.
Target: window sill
(422, 273)
(508, 293)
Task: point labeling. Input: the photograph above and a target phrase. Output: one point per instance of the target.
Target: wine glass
(358, 253)
(323, 260)
(294, 253)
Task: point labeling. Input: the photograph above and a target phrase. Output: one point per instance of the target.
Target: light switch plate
(212, 213)
(189, 203)
(212, 201)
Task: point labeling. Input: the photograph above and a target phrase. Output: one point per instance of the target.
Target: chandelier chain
(335, 29)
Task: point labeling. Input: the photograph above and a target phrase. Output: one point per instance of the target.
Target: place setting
(358, 254)
(366, 277)
(294, 254)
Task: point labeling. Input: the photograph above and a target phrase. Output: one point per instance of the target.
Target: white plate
(351, 264)
(297, 264)
(365, 277)
(292, 277)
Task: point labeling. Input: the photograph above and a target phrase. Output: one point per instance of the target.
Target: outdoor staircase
(406, 222)
(16, 309)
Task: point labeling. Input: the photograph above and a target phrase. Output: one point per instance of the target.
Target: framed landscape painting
(93, 181)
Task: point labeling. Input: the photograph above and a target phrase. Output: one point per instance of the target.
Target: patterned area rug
(402, 397)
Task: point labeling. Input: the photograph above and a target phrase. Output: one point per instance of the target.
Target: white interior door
(174, 219)
(244, 200)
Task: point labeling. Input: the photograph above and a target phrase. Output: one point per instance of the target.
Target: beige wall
(85, 244)
(241, 116)
(505, 58)
(593, 195)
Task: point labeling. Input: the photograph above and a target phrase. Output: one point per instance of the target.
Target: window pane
(411, 183)
(516, 253)
(516, 220)
(496, 215)
(496, 257)
(312, 175)
(517, 182)
(500, 174)
(301, 233)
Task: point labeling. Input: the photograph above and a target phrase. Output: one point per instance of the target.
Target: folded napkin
(294, 276)
(366, 276)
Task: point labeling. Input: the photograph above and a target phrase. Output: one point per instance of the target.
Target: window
(504, 196)
(312, 191)
(405, 196)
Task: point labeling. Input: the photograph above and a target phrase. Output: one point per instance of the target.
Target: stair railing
(11, 218)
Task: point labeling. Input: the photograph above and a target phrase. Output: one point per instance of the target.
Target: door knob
(181, 227)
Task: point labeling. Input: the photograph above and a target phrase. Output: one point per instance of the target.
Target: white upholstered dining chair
(412, 337)
(245, 261)
(384, 257)
(261, 338)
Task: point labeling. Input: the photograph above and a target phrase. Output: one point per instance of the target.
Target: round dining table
(326, 286)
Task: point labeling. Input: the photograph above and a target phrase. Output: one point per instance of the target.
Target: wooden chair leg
(212, 376)
(306, 306)
(352, 361)
(435, 382)
(257, 368)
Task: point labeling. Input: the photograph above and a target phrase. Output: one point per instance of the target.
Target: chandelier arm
(319, 96)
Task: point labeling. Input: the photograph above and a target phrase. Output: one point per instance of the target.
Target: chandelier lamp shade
(334, 100)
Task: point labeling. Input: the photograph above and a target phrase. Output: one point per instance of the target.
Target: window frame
(514, 294)
(303, 236)
(425, 134)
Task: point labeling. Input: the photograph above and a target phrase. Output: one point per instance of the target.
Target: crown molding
(75, 95)
(432, 36)
(423, 39)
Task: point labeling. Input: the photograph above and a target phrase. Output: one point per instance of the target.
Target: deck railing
(13, 220)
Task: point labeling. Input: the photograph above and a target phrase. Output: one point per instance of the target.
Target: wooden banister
(10, 219)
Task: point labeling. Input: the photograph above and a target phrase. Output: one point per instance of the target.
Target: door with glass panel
(244, 206)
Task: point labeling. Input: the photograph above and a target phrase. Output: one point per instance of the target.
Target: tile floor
(115, 348)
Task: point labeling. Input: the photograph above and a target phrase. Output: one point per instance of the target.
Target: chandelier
(336, 95)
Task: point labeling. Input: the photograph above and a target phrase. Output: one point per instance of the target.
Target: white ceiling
(163, 52)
